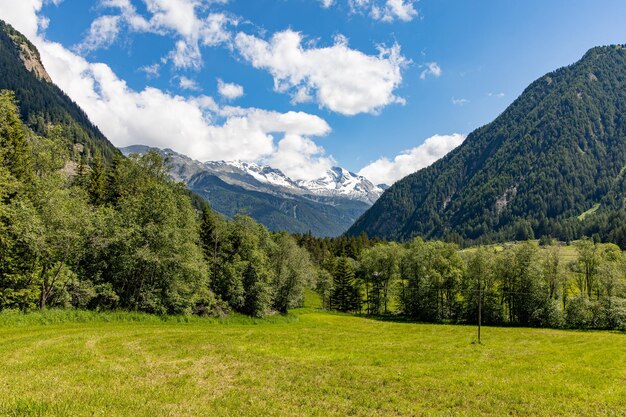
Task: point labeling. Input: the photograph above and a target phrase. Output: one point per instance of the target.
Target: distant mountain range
(554, 158)
(326, 206)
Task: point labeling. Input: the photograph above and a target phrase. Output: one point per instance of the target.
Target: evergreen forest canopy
(41, 103)
(77, 235)
(84, 235)
(552, 164)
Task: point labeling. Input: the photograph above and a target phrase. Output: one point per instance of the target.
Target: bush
(615, 312)
(81, 293)
(549, 315)
(105, 299)
(577, 313)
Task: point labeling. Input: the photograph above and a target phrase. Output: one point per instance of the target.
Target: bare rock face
(31, 58)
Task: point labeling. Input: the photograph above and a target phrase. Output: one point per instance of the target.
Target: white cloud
(229, 91)
(102, 33)
(496, 95)
(188, 84)
(301, 95)
(327, 3)
(22, 15)
(394, 9)
(385, 171)
(385, 11)
(298, 154)
(432, 69)
(185, 55)
(459, 101)
(151, 71)
(343, 80)
(194, 126)
(179, 18)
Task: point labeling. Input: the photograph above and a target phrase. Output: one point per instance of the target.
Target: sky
(380, 87)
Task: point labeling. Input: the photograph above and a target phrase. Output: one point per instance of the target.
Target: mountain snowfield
(336, 182)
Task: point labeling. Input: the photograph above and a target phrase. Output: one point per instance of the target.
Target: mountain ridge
(41, 102)
(549, 157)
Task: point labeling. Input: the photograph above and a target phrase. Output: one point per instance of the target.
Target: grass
(567, 253)
(309, 363)
(589, 212)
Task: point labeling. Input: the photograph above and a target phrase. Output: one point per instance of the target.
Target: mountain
(339, 182)
(41, 102)
(554, 157)
(326, 206)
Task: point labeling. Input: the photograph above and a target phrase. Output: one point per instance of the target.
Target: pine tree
(81, 172)
(97, 187)
(345, 295)
(13, 142)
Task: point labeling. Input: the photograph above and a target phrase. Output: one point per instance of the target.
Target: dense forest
(75, 232)
(551, 164)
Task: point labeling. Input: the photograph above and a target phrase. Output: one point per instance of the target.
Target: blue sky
(317, 90)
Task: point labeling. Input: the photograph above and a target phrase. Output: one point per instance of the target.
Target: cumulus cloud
(343, 80)
(385, 11)
(229, 91)
(180, 18)
(385, 171)
(432, 69)
(188, 84)
(23, 15)
(102, 33)
(195, 126)
(296, 153)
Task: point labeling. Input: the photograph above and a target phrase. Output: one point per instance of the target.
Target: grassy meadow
(308, 363)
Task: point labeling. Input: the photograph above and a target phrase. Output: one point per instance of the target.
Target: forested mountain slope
(555, 155)
(42, 103)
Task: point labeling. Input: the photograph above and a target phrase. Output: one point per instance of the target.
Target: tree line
(92, 233)
(522, 284)
(88, 232)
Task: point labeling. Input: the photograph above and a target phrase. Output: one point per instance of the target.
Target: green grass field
(308, 363)
(567, 253)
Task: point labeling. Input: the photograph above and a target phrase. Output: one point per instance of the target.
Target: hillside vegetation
(43, 106)
(127, 237)
(322, 216)
(557, 153)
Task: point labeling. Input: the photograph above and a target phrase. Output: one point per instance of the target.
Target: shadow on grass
(394, 318)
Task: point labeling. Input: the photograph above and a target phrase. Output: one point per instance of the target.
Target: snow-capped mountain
(237, 170)
(339, 182)
(326, 206)
(336, 182)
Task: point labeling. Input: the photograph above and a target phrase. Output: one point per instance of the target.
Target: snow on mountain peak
(335, 182)
(339, 182)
